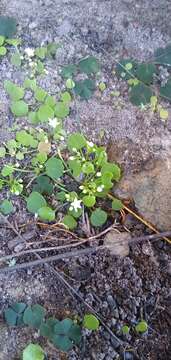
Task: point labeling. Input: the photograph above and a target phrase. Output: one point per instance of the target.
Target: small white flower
(72, 158)
(100, 188)
(53, 122)
(17, 165)
(46, 72)
(29, 52)
(35, 215)
(81, 187)
(62, 138)
(20, 181)
(41, 166)
(67, 196)
(46, 141)
(90, 143)
(98, 174)
(17, 193)
(74, 149)
(75, 205)
(84, 191)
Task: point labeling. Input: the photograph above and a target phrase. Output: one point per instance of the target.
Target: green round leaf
(35, 201)
(70, 222)
(3, 50)
(2, 151)
(70, 84)
(85, 88)
(90, 322)
(66, 97)
(141, 327)
(40, 94)
(26, 139)
(61, 196)
(50, 101)
(117, 204)
(62, 342)
(63, 327)
(76, 141)
(111, 168)
(14, 91)
(74, 333)
(14, 314)
(89, 65)
(75, 214)
(98, 217)
(88, 168)
(41, 52)
(102, 86)
(68, 71)
(47, 328)
(140, 94)
(6, 207)
(125, 329)
(145, 73)
(33, 352)
(33, 118)
(19, 108)
(30, 84)
(54, 168)
(89, 200)
(34, 316)
(75, 166)
(61, 110)
(43, 185)
(46, 213)
(45, 113)
(7, 170)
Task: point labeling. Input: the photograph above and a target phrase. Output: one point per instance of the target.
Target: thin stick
(80, 252)
(150, 226)
(145, 222)
(32, 251)
(53, 258)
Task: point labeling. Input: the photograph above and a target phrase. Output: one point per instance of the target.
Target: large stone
(151, 191)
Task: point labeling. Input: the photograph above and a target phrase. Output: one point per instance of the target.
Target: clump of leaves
(45, 108)
(14, 314)
(63, 334)
(86, 165)
(33, 352)
(142, 78)
(141, 327)
(83, 88)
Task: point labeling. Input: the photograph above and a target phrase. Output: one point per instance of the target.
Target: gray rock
(111, 301)
(116, 313)
(151, 191)
(128, 355)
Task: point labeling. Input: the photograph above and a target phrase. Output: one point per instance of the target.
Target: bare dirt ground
(122, 290)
